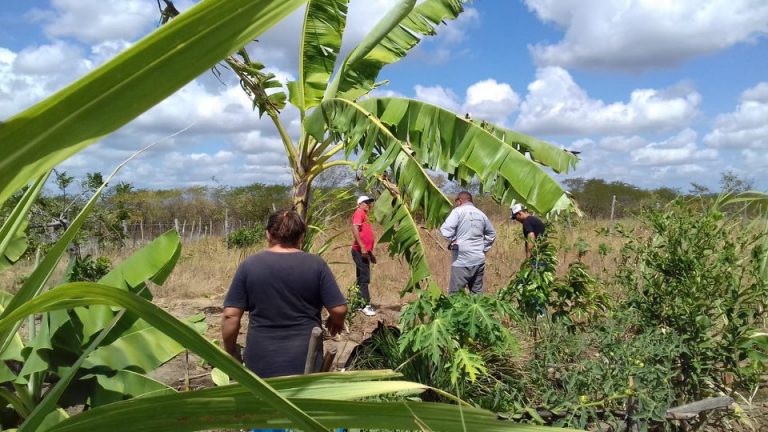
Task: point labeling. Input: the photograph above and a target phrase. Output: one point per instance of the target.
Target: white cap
(363, 198)
(517, 208)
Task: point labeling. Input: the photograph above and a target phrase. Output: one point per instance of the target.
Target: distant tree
(699, 189)
(731, 182)
(63, 181)
(92, 182)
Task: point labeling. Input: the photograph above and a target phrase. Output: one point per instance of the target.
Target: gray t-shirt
(283, 294)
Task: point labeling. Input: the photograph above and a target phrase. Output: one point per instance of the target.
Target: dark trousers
(363, 274)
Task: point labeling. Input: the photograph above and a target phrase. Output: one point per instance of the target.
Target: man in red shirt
(362, 250)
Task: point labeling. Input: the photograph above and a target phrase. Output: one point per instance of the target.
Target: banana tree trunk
(301, 191)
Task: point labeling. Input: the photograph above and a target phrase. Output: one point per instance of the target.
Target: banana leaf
(391, 40)
(80, 294)
(324, 23)
(13, 239)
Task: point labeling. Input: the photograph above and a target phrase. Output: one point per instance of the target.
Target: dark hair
(285, 227)
(464, 196)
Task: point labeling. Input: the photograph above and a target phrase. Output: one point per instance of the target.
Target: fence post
(613, 208)
(141, 227)
(183, 227)
(199, 227)
(176, 224)
(210, 228)
(226, 222)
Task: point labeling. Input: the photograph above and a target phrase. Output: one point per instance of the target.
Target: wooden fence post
(176, 224)
(226, 222)
(141, 227)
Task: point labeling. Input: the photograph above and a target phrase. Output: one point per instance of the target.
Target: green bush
(87, 269)
(244, 238)
(698, 275)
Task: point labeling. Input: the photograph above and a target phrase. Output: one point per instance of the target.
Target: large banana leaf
(37, 139)
(401, 233)
(80, 294)
(560, 160)
(324, 23)
(13, 240)
(243, 413)
(380, 48)
(142, 348)
(441, 140)
(362, 132)
(48, 404)
(153, 262)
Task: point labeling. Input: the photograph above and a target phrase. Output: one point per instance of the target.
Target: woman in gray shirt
(283, 289)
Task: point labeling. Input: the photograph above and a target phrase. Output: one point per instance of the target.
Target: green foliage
(578, 298)
(446, 340)
(531, 287)
(597, 374)
(86, 269)
(698, 275)
(245, 238)
(354, 300)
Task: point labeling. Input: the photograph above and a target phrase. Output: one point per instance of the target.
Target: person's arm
(356, 234)
(230, 328)
(330, 294)
(489, 235)
(336, 316)
(448, 229)
(529, 241)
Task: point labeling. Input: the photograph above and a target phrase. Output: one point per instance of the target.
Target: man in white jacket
(470, 236)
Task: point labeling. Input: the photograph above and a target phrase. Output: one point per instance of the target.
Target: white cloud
(35, 72)
(438, 95)
(555, 104)
(95, 21)
(491, 100)
(680, 149)
(747, 127)
(758, 93)
(487, 99)
(643, 34)
(622, 143)
(49, 60)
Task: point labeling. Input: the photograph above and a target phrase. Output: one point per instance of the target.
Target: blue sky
(653, 92)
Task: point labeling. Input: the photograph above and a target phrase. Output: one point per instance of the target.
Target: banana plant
(394, 141)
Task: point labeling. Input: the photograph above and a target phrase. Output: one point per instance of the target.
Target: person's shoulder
(310, 258)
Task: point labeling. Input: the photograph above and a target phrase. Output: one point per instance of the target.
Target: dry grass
(206, 266)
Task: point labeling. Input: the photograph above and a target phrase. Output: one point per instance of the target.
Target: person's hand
(237, 355)
(334, 328)
(372, 257)
(364, 252)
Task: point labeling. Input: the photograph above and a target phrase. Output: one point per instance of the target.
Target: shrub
(244, 238)
(87, 269)
(698, 275)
